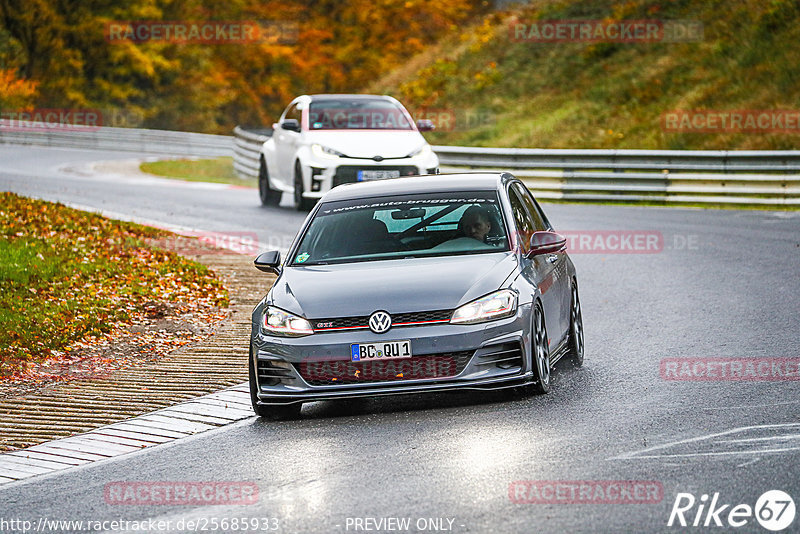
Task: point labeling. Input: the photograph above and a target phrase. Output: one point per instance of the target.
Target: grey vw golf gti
(415, 285)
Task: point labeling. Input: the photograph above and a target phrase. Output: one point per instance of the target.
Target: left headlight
(325, 152)
(498, 305)
(424, 150)
(282, 323)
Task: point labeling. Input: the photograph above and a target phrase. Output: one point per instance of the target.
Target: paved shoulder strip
(154, 428)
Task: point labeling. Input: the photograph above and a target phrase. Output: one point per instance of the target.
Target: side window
(539, 222)
(522, 220)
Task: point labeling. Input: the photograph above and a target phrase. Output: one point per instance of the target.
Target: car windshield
(357, 114)
(443, 224)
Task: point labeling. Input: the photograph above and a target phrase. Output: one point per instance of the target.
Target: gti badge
(380, 322)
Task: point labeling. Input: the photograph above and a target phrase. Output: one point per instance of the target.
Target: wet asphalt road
(725, 285)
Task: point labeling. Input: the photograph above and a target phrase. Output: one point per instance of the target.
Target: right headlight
(282, 323)
(497, 305)
(424, 150)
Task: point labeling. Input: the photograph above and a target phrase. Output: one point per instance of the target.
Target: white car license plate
(388, 350)
(377, 175)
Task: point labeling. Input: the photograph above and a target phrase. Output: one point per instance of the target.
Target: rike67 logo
(774, 510)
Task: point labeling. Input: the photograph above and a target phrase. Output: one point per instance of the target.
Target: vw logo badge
(380, 322)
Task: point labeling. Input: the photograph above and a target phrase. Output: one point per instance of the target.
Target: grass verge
(486, 87)
(68, 276)
(217, 170)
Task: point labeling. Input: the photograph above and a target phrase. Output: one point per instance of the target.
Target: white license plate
(388, 350)
(377, 175)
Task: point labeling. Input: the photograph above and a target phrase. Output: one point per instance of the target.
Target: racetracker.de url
(200, 524)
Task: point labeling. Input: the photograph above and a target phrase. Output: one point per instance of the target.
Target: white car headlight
(424, 150)
(325, 152)
(498, 305)
(282, 323)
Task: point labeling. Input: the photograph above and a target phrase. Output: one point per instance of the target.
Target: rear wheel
(540, 352)
(269, 196)
(576, 347)
(300, 203)
(274, 413)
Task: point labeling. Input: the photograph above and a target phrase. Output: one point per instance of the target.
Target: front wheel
(269, 196)
(540, 352)
(576, 346)
(300, 202)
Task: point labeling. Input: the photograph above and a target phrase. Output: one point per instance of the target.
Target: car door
(561, 284)
(539, 270)
(286, 143)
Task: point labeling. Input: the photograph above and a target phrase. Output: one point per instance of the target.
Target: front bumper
(498, 356)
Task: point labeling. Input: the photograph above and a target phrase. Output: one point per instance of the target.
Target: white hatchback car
(322, 141)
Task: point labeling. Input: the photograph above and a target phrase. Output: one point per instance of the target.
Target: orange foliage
(15, 93)
(337, 46)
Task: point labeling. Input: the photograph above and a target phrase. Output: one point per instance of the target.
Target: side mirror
(291, 124)
(425, 125)
(269, 262)
(546, 243)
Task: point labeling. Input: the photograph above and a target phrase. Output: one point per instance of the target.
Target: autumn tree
(61, 48)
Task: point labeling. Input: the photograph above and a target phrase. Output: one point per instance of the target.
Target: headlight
(498, 305)
(282, 323)
(325, 152)
(424, 150)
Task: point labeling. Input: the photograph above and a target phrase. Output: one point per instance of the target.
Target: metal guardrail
(672, 176)
(121, 139)
(247, 151)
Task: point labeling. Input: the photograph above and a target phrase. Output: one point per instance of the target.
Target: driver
(475, 223)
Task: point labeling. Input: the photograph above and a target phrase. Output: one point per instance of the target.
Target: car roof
(349, 96)
(434, 183)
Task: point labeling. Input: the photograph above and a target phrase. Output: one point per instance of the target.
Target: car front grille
(398, 320)
(327, 373)
(346, 174)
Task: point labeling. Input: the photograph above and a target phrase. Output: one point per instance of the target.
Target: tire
(269, 196)
(540, 352)
(300, 203)
(273, 413)
(576, 346)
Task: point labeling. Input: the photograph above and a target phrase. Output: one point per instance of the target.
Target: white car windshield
(442, 224)
(357, 114)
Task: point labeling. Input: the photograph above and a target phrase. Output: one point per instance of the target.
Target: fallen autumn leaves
(82, 294)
